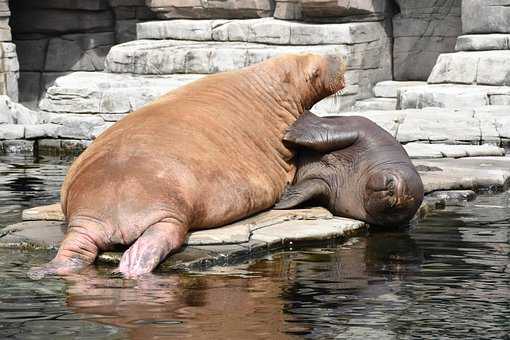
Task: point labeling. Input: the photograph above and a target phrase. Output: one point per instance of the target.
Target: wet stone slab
(44, 228)
(447, 181)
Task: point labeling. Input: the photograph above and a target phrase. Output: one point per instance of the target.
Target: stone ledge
(483, 42)
(108, 93)
(196, 9)
(455, 96)
(265, 31)
(383, 104)
(476, 67)
(391, 88)
(474, 125)
(428, 151)
(260, 233)
(465, 173)
(184, 56)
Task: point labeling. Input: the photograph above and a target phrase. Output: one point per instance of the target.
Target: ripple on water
(446, 277)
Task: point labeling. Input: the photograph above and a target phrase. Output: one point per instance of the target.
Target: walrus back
(196, 152)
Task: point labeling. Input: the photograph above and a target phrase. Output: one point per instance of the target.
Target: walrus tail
(78, 250)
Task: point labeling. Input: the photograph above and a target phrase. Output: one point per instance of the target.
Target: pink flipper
(77, 251)
(152, 247)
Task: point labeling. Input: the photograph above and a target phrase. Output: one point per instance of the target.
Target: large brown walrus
(202, 156)
(354, 168)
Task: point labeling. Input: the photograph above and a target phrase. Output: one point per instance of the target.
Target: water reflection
(183, 306)
(447, 277)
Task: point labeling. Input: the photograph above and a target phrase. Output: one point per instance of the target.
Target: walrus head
(392, 195)
(304, 78)
(325, 75)
(355, 168)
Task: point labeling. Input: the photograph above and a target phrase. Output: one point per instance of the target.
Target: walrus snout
(392, 198)
(337, 65)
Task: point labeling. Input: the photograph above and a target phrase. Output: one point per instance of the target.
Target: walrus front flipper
(319, 134)
(152, 247)
(302, 192)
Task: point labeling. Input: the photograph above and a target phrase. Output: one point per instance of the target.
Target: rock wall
(127, 14)
(9, 66)
(211, 9)
(495, 18)
(56, 37)
(422, 31)
(333, 10)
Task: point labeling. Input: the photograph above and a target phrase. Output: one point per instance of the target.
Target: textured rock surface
(74, 126)
(332, 10)
(483, 42)
(178, 56)
(104, 93)
(422, 150)
(61, 21)
(288, 10)
(266, 30)
(14, 113)
(128, 13)
(17, 146)
(376, 104)
(59, 36)
(11, 131)
(9, 70)
(89, 5)
(451, 96)
(489, 124)
(455, 197)
(199, 9)
(51, 212)
(485, 16)
(465, 173)
(9, 67)
(422, 31)
(369, 62)
(44, 227)
(390, 88)
(69, 52)
(481, 67)
(440, 126)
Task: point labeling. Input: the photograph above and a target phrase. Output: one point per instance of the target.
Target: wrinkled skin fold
(354, 168)
(202, 156)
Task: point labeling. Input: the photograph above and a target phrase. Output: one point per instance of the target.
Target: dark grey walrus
(353, 167)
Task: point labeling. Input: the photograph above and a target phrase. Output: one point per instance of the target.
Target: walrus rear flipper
(152, 247)
(319, 134)
(78, 250)
(302, 192)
